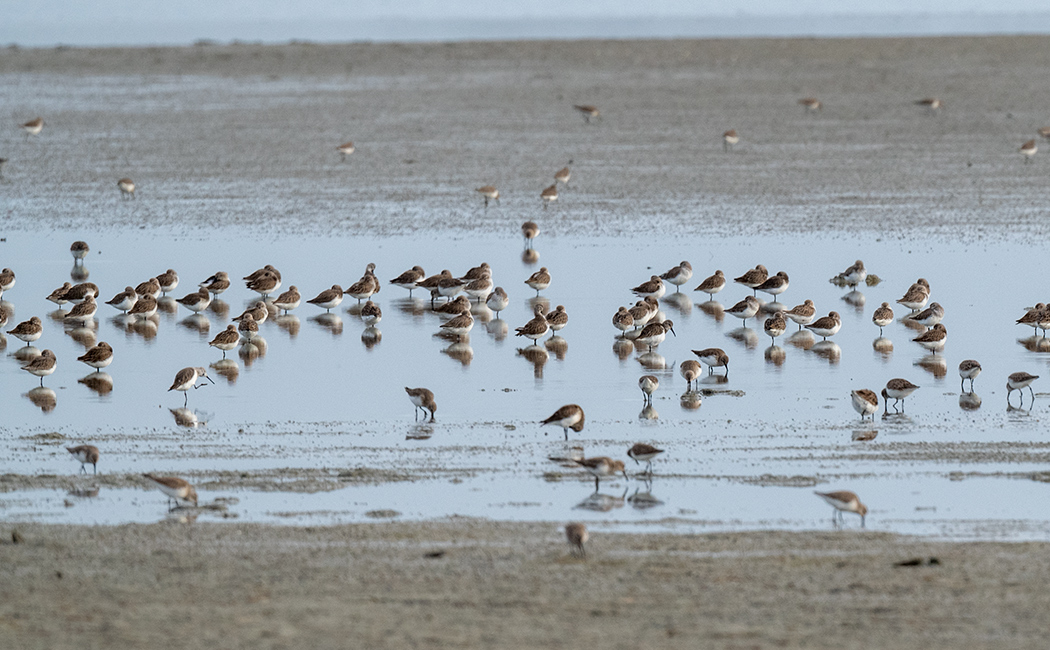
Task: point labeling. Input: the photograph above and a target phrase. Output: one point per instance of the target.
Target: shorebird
(932, 104)
(258, 273)
(883, 316)
(123, 301)
(42, 366)
(328, 299)
(802, 314)
(366, 287)
(409, 279)
(186, 379)
(563, 175)
(79, 250)
(7, 280)
(653, 334)
(1034, 316)
(753, 278)
(83, 312)
(497, 301)
(810, 104)
(145, 306)
(127, 188)
(149, 288)
(641, 452)
(248, 326)
(933, 339)
(371, 314)
(865, 402)
(58, 296)
(3, 161)
(916, 296)
(488, 192)
(654, 287)
(899, 390)
(549, 195)
(643, 311)
(535, 328)
(288, 300)
(28, 331)
(826, 326)
(529, 230)
(968, 369)
(622, 320)
(713, 358)
(557, 319)
(460, 325)
(930, 316)
(87, 455)
(453, 307)
(259, 313)
(679, 275)
(539, 280)
(168, 280)
(217, 283)
(1017, 381)
(431, 284)
(226, 340)
(477, 272)
(479, 288)
(775, 326)
(423, 400)
(729, 138)
(98, 357)
(577, 536)
(33, 127)
(1028, 150)
(345, 150)
(844, 501)
(690, 370)
(854, 275)
(567, 417)
(1044, 131)
(588, 111)
(774, 285)
(600, 467)
(744, 309)
(648, 384)
(712, 285)
(174, 488)
(265, 284)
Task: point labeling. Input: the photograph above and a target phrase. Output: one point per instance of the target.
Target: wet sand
(432, 122)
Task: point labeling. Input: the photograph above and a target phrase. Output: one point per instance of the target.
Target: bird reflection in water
(79, 273)
(648, 413)
(371, 337)
(26, 353)
(420, 432)
(775, 355)
(498, 328)
(934, 364)
(864, 435)
(530, 256)
(220, 308)
(331, 322)
(197, 323)
(690, 400)
(184, 417)
(828, 350)
(227, 369)
(802, 339)
(89, 492)
(558, 345)
(43, 398)
(884, 347)
(681, 302)
(167, 305)
(969, 401)
(537, 356)
(855, 299)
(598, 502)
(99, 382)
(644, 500)
(143, 327)
(652, 361)
(84, 335)
(1035, 343)
(461, 352)
(251, 350)
(289, 323)
(623, 349)
(714, 309)
(745, 335)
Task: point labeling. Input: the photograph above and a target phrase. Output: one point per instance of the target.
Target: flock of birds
(643, 323)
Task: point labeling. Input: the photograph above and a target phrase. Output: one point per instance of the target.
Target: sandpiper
(600, 467)
(1017, 381)
(459, 326)
(149, 288)
(258, 273)
(653, 334)
(802, 314)
(775, 326)
(916, 296)
(248, 326)
(477, 272)
(641, 452)
(557, 319)
(453, 307)
(124, 300)
(145, 306)
(345, 150)
(58, 296)
(654, 287)
(174, 488)
(588, 111)
(562, 175)
(83, 312)
(431, 283)
(79, 292)
(488, 192)
(567, 417)
(539, 280)
(751, 279)
(854, 275)
(865, 402)
(7, 280)
(186, 379)
(844, 501)
(1028, 150)
(679, 275)
(577, 536)
(497, 301)
(448, 287)
(127, 188)
(87, 455)
(79, 250)
(226, 340)
(744, 309)
(648, 384)
(933, 339)
(690, 370)
(42, 366)
(371, 314)
(217, 283)
(197, 301)
(366, 287)
(529, 230)
(810, 104)
(259, 313)
(288, 300)
(535, 328)
(33, 127)
(265, 284)
(713, 358)
(826, 326)
(883, 316)
(168, 280)
(28, 331)
(774, 285)
(968, 369)
(932, 104)
(409, 279)
(729, 138)
(1034, 316)
(713, 284)
(1044, 131)
(899, 390)
(622, 320)
(328, 299)
(423, 400)
(930, 316)
(99, 356)
(549, 195)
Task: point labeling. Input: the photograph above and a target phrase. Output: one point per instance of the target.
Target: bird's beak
(209, 379)
(672, 331)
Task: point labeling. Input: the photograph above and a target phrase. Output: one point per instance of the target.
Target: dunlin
(453, 307)
(409, 279)
(479, 288)
(567, 417)
(745, 309)
(899, 390)
(826, 326)
(968, 369)
(577, 536)
(288, 300)
(529, 230)
(149, 288)
(1017, 381)
(497, 301)
(328, 299)
(259, 313)
(690, 370)
(33, 127)
(217, 283)
(562, 175)
(174, 488)
(127, 188)
(7, 280)
(679, 275)
(459, 326)
(916, 296)
(269, 269)
(883, 316)
(802, 314)
(865, 402)
(588, 111)
(477, 272)
(653, 287)
(145, 306)
(226, 340)
(535, 328)
(345, 150)
(248, 326)
(488, 192)
(1044, 131)
(78, 292)
(932, 104)
(265, 284)
(42, 366)
(539, 280)
(648, 384)
(431, 283)
(930, 316)
(423, 400)
(197, 301)
(810, 104)
(124, 300)
(168, 280)
(28, 331)
(644, 311)
(366, 287)
(774, 285)
(751, 279)
(186, 379)
(642, 452)
(87, 455)
(98, 357)
(854, 275)
(775, 326)
(1028, 150)
(1034, 316)
(58, 296)
(622, 320)
(448, 287)
(844, 501)
(729, 138)
(713, 284)
(933, 339)
(653, 334)
(371, 314)
(79, 250)
(713, 358)
(557, 319)
(549, 195)
(601, 467)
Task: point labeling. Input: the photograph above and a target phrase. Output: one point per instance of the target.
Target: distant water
(42, 30)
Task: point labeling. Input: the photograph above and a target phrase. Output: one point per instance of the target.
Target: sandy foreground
(514, 585)
(509, 586)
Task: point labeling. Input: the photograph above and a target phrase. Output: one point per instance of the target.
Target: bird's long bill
(672, 331)
(209, 379)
